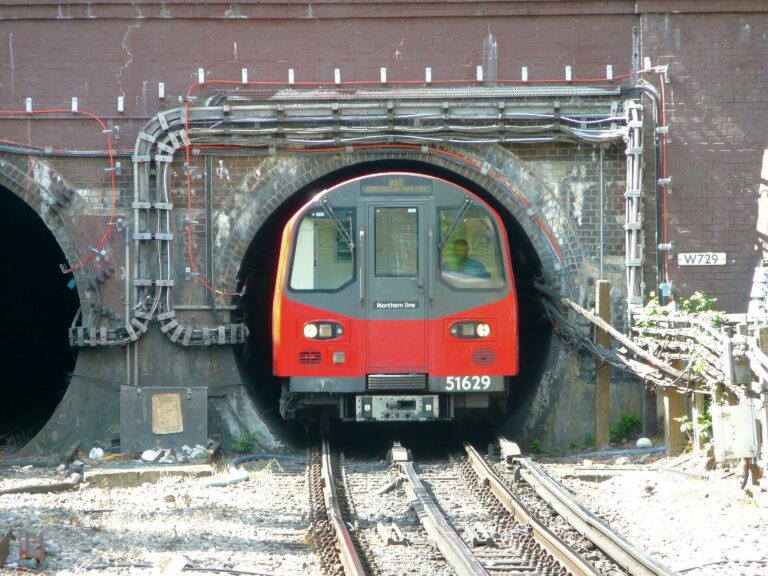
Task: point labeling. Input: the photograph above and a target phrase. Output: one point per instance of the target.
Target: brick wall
(717, 107)
(128, 56)
(573, 173)
(716, 98)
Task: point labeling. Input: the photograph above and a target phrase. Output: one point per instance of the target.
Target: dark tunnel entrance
(38, 305)
(258, 271)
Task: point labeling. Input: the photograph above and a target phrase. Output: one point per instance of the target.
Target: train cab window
(397, 241)
(323, 258)
(470, 253)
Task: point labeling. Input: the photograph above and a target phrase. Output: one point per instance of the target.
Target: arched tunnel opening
(258, 271)
(39, 302)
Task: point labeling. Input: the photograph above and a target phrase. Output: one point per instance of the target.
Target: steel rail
(548, 540)
(450, 544)
(347, 551)
(632, 560)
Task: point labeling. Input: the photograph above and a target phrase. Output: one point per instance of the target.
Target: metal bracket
(663, 69)
(189, 274)
(668, 247)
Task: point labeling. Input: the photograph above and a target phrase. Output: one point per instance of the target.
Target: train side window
(397, 241)
(471, 257)
(322, 258)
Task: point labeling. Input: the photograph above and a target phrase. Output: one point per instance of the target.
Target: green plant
(653, 307)
(697, 303)
(705, 425)
(245, 444)
(704, 307)
(589, 440)
(536, 447)
(627, 426)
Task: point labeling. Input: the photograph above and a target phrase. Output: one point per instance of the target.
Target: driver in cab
(456, 260)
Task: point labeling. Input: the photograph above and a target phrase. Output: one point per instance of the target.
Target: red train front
(394, 301)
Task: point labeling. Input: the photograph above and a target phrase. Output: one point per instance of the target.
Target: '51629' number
(456, 383)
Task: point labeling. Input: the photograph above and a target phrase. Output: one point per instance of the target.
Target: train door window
(397, 241)
(323, 258)
(470, 257)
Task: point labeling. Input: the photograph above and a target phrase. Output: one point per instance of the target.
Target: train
(394, 301)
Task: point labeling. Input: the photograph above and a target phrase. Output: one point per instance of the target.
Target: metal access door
(396, 277)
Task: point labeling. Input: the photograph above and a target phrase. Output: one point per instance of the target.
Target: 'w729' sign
(701, 259)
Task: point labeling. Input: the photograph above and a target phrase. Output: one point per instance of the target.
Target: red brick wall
(717, 96)
(42, 57)
(718, 116)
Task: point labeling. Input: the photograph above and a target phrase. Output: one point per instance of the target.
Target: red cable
(664, 174)
(100, 245)
(523, 201)
(421, 82)
(190, 252)
(462, 159)
(193, 265)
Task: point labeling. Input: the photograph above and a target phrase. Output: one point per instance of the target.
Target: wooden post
(674, 410)
(732, 399)
(697, 407)
(762, 341)
(674, 407)
(603, 373)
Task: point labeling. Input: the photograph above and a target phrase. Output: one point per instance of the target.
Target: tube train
(394, 301)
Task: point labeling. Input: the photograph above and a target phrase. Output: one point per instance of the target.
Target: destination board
(405, 185)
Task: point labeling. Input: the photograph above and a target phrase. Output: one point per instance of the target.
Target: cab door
(396, 284)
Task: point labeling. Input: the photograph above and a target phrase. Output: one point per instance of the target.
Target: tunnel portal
(259, 267)
(178, 297)
(40, 301)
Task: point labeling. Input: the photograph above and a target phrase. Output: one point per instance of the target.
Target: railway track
(607, 550)
(341, 551)
(466, 517)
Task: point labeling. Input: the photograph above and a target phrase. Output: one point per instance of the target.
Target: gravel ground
(696, 527)
(258, 526)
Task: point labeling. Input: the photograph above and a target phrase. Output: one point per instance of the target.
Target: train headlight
(469, 329)
(310, 330)
(322, 330)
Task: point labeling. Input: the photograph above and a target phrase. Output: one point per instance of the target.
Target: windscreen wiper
(345, 234)
(455, 223)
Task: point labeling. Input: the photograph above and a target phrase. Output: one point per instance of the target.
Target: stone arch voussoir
(492, 167)
(46, 192)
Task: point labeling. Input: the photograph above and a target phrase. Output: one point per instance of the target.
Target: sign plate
(395, 305)
(166, 414)
(474, 383)
(701, 259)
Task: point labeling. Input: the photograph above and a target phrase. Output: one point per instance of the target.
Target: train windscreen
(323, 258)
(470, 255)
